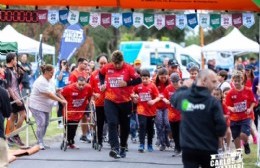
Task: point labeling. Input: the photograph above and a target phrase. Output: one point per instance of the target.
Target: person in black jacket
(202, 120)
(5, 111)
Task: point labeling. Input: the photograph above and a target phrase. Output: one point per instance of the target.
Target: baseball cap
(137, 61)
(240, 67)
(172, 62)
(249, 67)
(174, 77)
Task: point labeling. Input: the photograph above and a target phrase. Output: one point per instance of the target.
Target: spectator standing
(26, 75)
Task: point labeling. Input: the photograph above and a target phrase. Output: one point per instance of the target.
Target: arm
(5, 107)
(54, 97)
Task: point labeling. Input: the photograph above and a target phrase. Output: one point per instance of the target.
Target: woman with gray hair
(41, 101)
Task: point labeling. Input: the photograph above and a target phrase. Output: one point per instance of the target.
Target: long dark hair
(162, 71)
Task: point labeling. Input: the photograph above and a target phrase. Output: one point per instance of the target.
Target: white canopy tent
(235, 41)
(25, 44)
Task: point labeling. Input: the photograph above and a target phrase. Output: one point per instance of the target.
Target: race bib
(145, 97)
(114, 81)
(78, 102)
(240, 107)
(66, 80)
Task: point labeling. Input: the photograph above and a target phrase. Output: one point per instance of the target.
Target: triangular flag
(192, 20)
(116, 20)
(94, 19)
(148, 20)
(105, 20)
(138, 19)
(127, 19)
(215, 20)
(63, 16)
(237, 20)
(73, 17)
(53, 16)
(204, 20)
(159, 21)
(226, 20)
(84, 18)
(181, 21)
(170, 21)
(42, 16)
(248, 20)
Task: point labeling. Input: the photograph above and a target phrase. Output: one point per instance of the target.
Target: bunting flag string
(129, 19)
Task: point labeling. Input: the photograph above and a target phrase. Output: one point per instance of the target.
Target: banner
(159, 21)
(138, 19)
(127, 19)
(215, 20)
(248, 20)
(181, 21)
(83, 18)
(63, 16)
(53, 16)
(105, 20)
(226, 20)
(94, 19)
(192, 20)
(116, 20)
(73, 17)
(170, 21)
(204, 20)
(72, 38)
(42, 16)
(148, 20)
(237, 20)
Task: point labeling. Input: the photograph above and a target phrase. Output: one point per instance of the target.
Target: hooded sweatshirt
(202, 118)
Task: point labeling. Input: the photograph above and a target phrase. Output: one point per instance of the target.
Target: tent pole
(202, 45)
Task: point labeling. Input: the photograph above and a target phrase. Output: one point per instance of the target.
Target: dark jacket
(202, 118)
(5, 110)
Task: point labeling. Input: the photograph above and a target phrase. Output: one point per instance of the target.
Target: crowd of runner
(130, 100)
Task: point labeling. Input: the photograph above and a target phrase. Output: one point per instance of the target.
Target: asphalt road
(86, 156)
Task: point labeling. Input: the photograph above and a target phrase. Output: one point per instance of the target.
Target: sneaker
(141, 148)
(105, 138)
(89, 138)
(255, 139)
(10, 141)
(41, 146)
(134, 140)
(122, 152)
(83, 139)
(73, 146)
(162, 148)
(176, 153)
(150, 148)
(99, 147)
(114, 154)
(46, 146)
(18, 140)
(247, 148)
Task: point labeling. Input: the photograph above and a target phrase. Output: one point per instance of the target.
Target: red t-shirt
(77, 100)
(113, 92)
(146, 93)
(226, 113)
(241, 101)
(173, 114)
(161, 104)
(95, 84)
(75, 74)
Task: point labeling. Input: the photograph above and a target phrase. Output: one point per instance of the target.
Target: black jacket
(202, 118)
(5, 110)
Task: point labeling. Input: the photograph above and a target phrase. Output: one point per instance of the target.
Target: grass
(250, 160)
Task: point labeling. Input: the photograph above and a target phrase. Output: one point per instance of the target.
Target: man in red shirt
(240, 102)
(81, 70)
(77, 95)
(119, 77)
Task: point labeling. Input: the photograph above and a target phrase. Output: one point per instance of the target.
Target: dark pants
(256, 114)
(59, 112)
(175, 128)
(118, 114)
(146, 124)
(71, 131)
(101, 118)
(133, 125)
(192, 158)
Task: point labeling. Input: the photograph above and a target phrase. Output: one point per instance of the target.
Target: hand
(151, 102)
(96, 95)
(232, 109)
(248, 111)
(63, 102)
(103, 88)
(122, 83)
(19, 102)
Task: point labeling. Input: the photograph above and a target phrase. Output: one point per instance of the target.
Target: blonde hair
(237, 74)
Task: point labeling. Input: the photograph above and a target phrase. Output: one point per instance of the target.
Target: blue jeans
(162, 126)
(133, 125)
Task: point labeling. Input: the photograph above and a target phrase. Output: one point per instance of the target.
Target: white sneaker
(41, 146)
(60, 126)
(176, 153)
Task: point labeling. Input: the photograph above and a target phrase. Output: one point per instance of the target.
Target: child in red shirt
(240, 102)
(146, 95)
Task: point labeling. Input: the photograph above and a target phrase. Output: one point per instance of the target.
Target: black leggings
(59, 112)
(146, 125)
(118, 114)
(101, 118)
(71, 131)
(175, 128)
